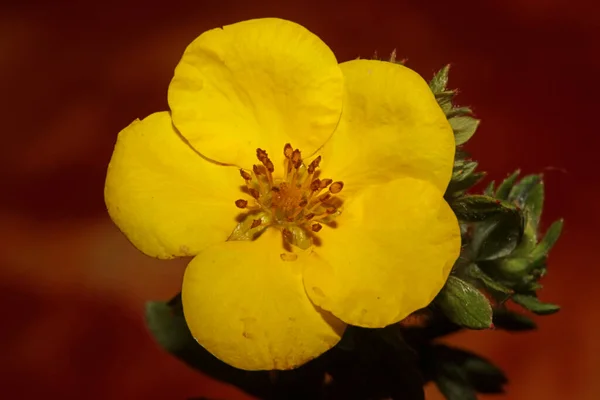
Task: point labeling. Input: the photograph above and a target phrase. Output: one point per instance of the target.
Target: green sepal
(464, 128)
(464, 305)
(512, 321)
(244, 230)
(533, 304)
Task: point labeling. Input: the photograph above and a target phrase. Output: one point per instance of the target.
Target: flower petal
(390, 255)
(256, 84)
(166, 198)
(247, 306)
(391, 127)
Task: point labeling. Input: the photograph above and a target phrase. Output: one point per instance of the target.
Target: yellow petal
(390, 254)
(391, 127)
(256, 84)
(164, 196)
(247, 306)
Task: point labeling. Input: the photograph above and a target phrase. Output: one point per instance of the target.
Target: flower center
(298, 204)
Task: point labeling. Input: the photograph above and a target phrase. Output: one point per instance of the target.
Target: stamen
(254, 193)
(325, 183)
(287, 235)
(336, 187)
(288, 150)
(245, 175)
(296, 205)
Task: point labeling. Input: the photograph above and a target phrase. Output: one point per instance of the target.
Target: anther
(269, 165)
(261, 154)
(316, 227)
(254, 193)
(303, 203)
(324, 198)
(287, 235)
(330, 210)
(245, 175)
(255, 223)
(314, 165)
(296, 158)
(325, 183)
(309, 216)
(288, 150)
(336, 187)
(241, 203)
(256, 170)
(315, 185)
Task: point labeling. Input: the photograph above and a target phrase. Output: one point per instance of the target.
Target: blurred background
(72, 74)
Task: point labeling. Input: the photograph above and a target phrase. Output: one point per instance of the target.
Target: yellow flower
(291, 251)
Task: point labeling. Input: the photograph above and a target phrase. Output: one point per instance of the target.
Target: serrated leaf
(534, 305)
(506, 185)
(549, 240)
(464, 305)
(475, 272)
(512, 321)
(440, 80)
(477, 208)
(520, 192)
(464, 128)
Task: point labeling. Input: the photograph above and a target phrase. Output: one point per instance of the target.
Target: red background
(73, 74)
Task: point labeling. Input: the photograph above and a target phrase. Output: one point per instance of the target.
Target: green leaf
(549, 240)
(440, 80)
(477, 208)
(506, 185)
(489, 190)
(534, 305)
(464, 128)
(166, 323)
(535, 203)
(512, 321)
(475, 272)
(521, 191)
(458, 187)
(459, 112)
(444, 99)
(455, 389)
(497, 238)
(465, 370)
(464, 305)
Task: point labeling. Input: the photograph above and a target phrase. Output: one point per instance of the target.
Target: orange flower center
(298, 204)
